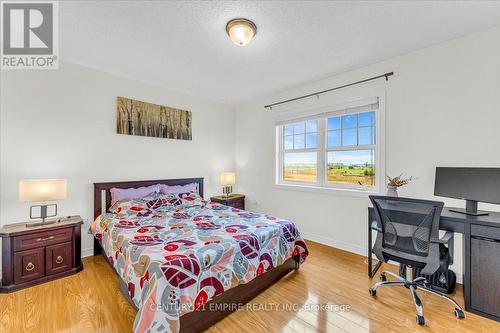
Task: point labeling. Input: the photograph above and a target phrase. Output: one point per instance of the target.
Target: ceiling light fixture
(241, 31)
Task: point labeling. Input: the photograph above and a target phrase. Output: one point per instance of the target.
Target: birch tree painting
(145, 119)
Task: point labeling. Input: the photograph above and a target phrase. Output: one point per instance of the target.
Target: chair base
(413, 285)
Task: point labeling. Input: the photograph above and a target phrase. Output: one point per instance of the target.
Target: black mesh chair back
(407, 227)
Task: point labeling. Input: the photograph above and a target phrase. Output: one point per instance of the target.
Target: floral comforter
(176, 252)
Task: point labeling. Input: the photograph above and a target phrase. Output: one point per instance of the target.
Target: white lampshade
(34, 190)
(227, 178)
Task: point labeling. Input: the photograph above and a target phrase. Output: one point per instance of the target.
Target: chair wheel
(420, 320)
(372, 292)
(459, 314)
(383, 277)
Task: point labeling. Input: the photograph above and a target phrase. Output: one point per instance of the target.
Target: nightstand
(233, 200)
(33, 255)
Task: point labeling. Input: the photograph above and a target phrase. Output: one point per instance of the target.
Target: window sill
(357, 193)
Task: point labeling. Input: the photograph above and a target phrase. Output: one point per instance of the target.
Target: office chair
(409, 235)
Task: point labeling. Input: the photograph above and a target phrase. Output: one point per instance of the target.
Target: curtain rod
(386, 75)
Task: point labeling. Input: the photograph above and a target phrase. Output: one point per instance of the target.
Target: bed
(185, 263)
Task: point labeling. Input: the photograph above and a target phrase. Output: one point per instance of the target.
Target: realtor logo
(29, 35)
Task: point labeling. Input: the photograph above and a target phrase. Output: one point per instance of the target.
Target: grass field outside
(352, 174)
(300, 173)
(337, 174)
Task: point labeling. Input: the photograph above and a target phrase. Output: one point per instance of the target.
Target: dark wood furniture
(481, 256)
(233, 200)
(482, 265)
(198, 320)
(33, 255)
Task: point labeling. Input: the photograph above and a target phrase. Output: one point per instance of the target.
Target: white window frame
(316, 150)
(322, 150)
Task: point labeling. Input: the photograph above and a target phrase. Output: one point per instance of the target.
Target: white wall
(442, 109)
(61, 124)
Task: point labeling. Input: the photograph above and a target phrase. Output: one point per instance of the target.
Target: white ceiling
(183, 46)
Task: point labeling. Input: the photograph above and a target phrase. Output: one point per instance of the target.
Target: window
(300, 151)
(338, 149)
(351, 149)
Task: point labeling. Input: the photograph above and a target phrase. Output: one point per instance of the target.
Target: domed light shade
(241, 31)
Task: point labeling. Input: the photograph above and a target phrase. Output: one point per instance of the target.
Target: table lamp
(42, 191)
(227, 180)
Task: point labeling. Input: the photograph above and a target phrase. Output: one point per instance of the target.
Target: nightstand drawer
(29, 265)
(234, 200)
(30, 241)
(59, 258)
(236, 204)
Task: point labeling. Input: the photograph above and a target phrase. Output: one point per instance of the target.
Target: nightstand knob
(59, 259)
(30, 266)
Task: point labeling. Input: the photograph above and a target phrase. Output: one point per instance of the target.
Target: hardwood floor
(90, 302)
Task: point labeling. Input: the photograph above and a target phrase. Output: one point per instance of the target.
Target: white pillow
(176, 189)
(132, 193)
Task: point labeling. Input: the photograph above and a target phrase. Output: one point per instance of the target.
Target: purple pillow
(132, 193)
(188, 188)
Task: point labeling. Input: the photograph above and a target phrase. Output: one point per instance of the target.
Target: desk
(481, 256)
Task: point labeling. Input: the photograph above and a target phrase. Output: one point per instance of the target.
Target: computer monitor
(471, 184)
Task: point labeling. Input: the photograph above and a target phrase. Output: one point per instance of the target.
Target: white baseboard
(335, 243)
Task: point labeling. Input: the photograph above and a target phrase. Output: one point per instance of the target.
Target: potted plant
(394, 182)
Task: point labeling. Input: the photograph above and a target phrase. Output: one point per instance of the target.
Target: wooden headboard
(101, 189)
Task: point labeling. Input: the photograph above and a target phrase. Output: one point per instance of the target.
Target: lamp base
(227, 190)
(43, 215)
(40, 223)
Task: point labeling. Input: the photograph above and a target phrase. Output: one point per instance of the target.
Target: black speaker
(440, 281)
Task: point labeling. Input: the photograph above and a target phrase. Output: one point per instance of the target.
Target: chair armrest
(448, 235)
(448, 240)
(375, 226)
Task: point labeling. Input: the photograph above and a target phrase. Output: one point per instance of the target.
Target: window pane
(298, 141)
(334, 139)
(350, 121)
(349, 137)
(288, 142)
(366, 119)
(299, 128)
(288, 130)
(353, 167)
(333, 123)
(311, 140)
(366, 136)
(300, 167)
(312, 126)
